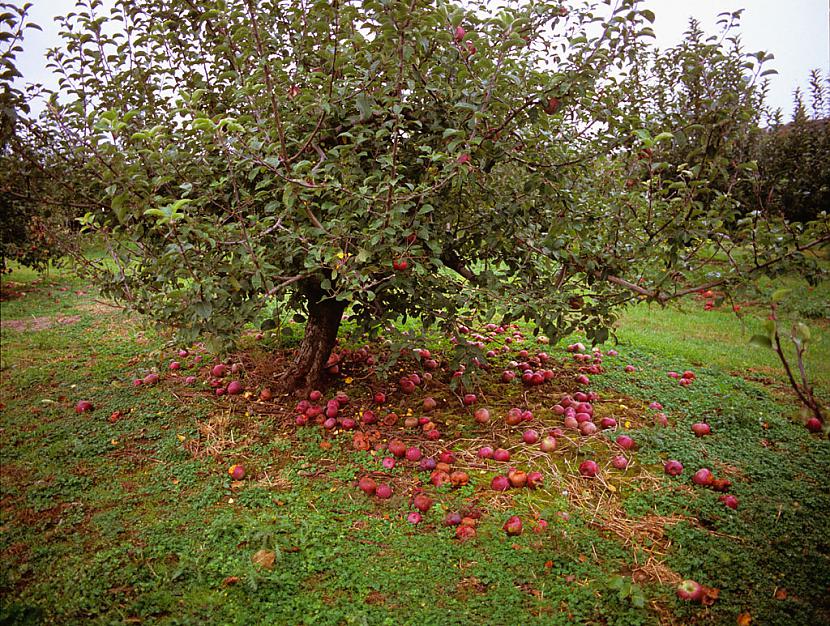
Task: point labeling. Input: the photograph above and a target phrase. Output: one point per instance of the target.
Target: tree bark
(324, 315)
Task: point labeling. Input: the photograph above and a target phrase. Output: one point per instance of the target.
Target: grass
(127, 513)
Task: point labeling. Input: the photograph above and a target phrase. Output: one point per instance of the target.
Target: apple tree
(371, 159)
(31, 232)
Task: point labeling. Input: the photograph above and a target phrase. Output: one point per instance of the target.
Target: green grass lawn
(127, 513)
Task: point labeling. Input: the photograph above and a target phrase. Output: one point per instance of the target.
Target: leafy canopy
(416, 158)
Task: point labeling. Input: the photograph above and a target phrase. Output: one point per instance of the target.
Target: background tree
(385, 158)
(794, 159)
(30, 230)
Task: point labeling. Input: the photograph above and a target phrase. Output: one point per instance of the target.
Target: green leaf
(364, 105)
(203, 309)
(802, 332)
(761, 341)
(780, 294)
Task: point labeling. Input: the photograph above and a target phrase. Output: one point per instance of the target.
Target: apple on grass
(690, 590)
(513, 526)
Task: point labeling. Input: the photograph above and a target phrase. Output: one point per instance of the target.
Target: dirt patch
(40, 323)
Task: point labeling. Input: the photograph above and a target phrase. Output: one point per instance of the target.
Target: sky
(797, 32)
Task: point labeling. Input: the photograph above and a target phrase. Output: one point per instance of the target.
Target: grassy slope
(106, 518)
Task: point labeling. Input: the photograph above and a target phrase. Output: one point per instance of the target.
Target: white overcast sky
(797, 32)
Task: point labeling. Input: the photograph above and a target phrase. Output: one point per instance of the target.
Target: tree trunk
(324, 315)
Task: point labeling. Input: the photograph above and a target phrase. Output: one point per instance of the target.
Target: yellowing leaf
(264, 558)
(348, 380)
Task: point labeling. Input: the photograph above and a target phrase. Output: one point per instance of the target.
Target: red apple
(84, 406)
(482, 415)
(514, 417)
(447, 457)
(673, 468)
(383, 491)
(729, 500)
(367, 485)
(500, 483)
(814, 425)
(397, 448)
(513, 526)
(469, 398)
(548, 444)
(588, 428)
(703, 477)
(219, 370)
(619, 462)
(485, 452)
(463, 533)
(501, 455)
(430, 404)
(414, 518)
(439, 477)
(625, 442)
(689, 590)
(422, 502)
(235, 388)
(530, 436)
(535, 479)
(588, 469)
(701, 429)
(236, 472)
(413, 454)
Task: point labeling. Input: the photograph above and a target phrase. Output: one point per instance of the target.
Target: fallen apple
(619, 462)
(500, 454)
(701, 429)
(548, 444)
(689, 590)
(500, 483)
(530, 436)
(367, 485)
(383, 491)
(729, 500)
(589, 469)
(513, 526)
(673, 468)
(703, 477)
(236, 472)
